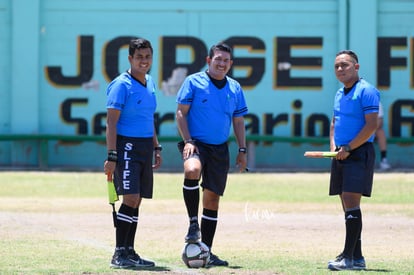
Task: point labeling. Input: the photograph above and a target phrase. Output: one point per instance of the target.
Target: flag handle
(112, 195)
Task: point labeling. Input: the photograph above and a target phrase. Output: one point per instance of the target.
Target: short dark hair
(350, 53)
(139, 43)
(221, 47)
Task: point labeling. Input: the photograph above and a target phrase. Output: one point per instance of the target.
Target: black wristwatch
(191, 141)
(346, 148)
(243, 150)
(158, 148)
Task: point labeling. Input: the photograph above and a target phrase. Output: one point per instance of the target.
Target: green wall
(59, 55)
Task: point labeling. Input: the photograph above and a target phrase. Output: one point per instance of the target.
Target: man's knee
(351, 200)
(132, 200)
(192, 169)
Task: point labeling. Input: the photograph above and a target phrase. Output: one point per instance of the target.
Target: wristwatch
(190, 140)
(158, 148)
(346, 148)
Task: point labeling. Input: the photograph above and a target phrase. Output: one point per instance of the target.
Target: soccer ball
(195, 255)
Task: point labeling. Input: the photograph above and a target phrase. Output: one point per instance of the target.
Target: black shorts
(133, 173)
(354, 174)
(215, 165)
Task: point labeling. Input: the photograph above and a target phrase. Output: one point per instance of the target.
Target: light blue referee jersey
(136, 102)
(212, 109)
(350, 111)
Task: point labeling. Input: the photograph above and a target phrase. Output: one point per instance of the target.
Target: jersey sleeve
(116, 95)
(370, 100)
(241, 108)
(185, 93)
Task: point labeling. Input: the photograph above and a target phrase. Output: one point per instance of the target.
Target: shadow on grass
(154, 268)
(377, 270)
(365, 270)
(229, 267)
(234, 267)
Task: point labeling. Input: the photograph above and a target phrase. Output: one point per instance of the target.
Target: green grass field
(271, 223)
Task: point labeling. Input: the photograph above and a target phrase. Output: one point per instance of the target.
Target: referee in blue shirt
(352, 133)
(133, 148)
(208, 104)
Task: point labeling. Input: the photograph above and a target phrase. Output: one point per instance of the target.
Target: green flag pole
(112, 196)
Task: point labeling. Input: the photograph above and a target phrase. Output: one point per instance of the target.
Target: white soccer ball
(195, 255)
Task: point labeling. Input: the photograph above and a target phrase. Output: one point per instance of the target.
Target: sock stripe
(209, 218)
(352, 209)
(190, 187)
(125, 218)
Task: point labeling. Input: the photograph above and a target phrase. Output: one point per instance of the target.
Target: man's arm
(240, 133)
(371, 125)
(331, 135)
(157, 152)
(181, 118)
(111, 121)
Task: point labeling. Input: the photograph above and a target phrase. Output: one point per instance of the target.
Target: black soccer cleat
(216, 261)
(193, 234)
(137, 260)
(121, 261)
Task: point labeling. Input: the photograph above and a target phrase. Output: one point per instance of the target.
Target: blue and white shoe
(341, 263)
(359, 264)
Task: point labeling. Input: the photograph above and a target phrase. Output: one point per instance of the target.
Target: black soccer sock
(353, 224)
(124, 222)
(208, 226)
(358, 245)
(191, 196)
(383, 155)
(132, 231)
(358, 248)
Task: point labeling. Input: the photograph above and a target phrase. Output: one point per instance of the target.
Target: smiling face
(346, 69)
(219, 64)
(140, 62)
